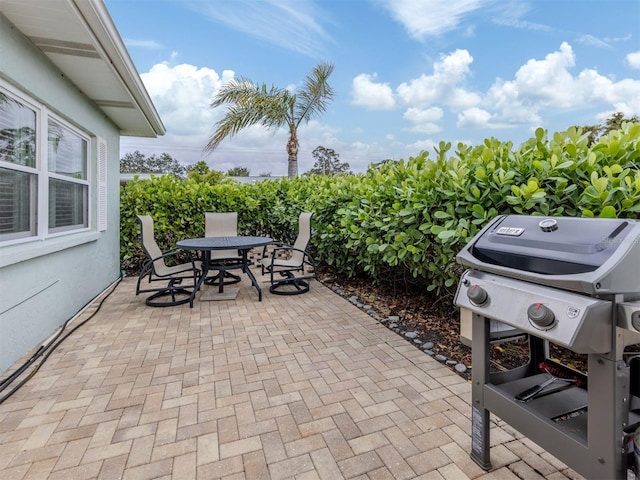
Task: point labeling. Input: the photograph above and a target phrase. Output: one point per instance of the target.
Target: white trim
(101, 161)
(44, 115)
(89, 23)
(38, 248)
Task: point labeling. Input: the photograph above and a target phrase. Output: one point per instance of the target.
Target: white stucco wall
(45, 283)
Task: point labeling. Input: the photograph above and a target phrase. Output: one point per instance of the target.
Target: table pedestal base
(212, 294)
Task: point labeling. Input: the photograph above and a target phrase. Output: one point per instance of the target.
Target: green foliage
(238, 172)
(327, 162)
(178, 207)
(614, 122)
(137, 162)
(405, 221)
(200, 172)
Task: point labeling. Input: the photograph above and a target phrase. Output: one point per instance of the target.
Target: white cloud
(461, 98)
(626, 95)
(633, 59)
(427, 18)
(549, 84)
(548, 81)
(290, 24)
(417, 115)
(442, 86)
(148, 44)
(182, 95)
(473, 118)
(416, 147)
(587, 39)
(423, 120)
(426, 128)
(367, 93)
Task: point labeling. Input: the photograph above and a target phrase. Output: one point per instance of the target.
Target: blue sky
(408, 73)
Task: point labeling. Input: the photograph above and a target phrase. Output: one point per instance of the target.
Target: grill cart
(571, 282)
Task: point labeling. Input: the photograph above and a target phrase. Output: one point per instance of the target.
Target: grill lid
(579, 254)
(551, 246)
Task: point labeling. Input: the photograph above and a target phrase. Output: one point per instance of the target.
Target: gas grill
(571, 282)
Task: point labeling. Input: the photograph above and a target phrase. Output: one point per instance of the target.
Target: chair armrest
(286, 247)
(264, 249)
(173, 253)
(290, 248)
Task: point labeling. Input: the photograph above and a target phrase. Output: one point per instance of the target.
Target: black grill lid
(552, 246)
(566, 252)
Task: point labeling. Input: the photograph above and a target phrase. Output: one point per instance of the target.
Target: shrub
(405, 221)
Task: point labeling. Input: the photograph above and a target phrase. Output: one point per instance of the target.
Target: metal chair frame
(286, 260)
(174, 292)
(223, 224)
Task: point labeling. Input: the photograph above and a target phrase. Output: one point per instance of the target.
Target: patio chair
(223, 224)
(175, 283)
(287, 263)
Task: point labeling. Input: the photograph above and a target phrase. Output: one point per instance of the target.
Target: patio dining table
(241, 243)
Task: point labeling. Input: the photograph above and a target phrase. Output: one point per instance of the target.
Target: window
(68, 188)
(44, 181)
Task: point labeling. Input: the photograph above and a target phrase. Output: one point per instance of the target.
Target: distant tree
(614, 122)
(265, 174)
(200, 168)
(137, 162)
(252, 104)
(381, 163)
(200, 172)
(327, 162)
(238, 172)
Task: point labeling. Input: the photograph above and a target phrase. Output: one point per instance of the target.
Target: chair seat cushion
(177, 269)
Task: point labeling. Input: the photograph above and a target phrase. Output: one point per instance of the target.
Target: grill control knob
(548, 225)
(477, 294)
(540, 315)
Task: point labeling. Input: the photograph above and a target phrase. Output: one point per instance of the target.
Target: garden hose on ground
(51, 344)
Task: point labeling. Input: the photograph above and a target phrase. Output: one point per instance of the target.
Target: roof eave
(101, 24)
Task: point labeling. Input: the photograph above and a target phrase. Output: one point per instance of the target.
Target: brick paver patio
(302, 387)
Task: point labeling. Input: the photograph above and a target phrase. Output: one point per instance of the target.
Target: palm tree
(251, 104)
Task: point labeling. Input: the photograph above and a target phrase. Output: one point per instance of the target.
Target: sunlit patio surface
(304, 387)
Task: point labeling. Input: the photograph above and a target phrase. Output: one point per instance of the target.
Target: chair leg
(170, 296)
(285, 285)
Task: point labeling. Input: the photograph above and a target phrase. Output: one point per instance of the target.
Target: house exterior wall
(44, 283)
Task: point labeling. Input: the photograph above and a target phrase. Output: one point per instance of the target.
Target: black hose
(7, 381)
(50, 348)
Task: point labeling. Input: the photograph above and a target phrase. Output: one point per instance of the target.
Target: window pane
(67, 205)
(17, 132)
(17, 204)
(67, 152)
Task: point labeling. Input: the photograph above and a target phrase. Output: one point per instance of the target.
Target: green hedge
(405, 221)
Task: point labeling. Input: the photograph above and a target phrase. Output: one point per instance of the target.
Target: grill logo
(511, 231)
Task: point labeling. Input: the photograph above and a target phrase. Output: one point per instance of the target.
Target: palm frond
(247, 104)
(316, 95)
(235, 91)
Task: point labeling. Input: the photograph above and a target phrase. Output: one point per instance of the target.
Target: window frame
(43, 176)
(53, 231)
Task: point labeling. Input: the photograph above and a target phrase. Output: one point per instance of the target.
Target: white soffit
(79, 37)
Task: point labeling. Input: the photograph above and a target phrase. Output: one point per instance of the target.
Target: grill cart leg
(608, 415)
(480, 427)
